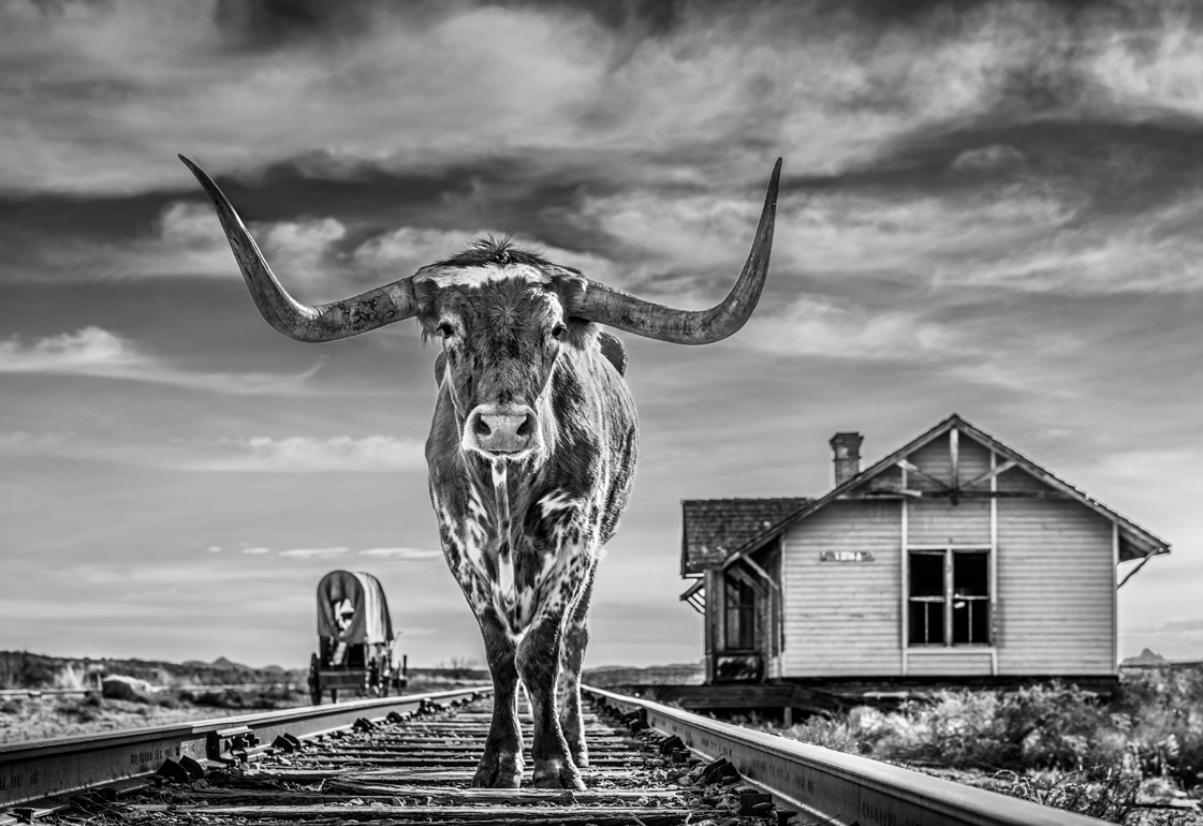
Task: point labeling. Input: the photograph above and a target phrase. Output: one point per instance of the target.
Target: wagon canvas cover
(351, 608)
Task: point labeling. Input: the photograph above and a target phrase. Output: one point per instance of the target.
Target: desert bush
(225, 698)
(1055, 726)
(230, 698)
(120, 687)
(1163, 712)
(83, 710)
(960, 728)
(1109, 796)
(824, 731)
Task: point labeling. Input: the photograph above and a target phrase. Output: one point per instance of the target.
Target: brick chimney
(846, 449)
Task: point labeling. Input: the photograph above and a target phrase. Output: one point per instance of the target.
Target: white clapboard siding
(935, 459)
(956, 661)
(1055, 587)
(939, 522)
(842, 618)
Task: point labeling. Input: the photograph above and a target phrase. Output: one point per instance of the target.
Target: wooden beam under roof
(893, 493)
(991, 474)
(910, 467)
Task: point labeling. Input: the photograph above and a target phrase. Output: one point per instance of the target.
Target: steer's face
(502, 328)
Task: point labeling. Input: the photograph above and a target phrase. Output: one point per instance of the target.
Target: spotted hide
(531, 451)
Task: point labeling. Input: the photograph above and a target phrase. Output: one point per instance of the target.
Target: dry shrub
(1161, 714)
(828, 732)
(85, 709)
(1109, 795)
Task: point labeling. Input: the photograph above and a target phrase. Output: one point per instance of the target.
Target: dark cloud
(1122, 166)
(258, 24)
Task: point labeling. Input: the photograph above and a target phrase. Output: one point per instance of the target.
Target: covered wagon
(356, 644)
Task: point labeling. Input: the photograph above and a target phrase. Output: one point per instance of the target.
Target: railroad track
(410, 760)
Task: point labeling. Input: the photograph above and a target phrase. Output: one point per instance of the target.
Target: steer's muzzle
(500, 430)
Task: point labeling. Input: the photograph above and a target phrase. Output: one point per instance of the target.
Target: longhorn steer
(531, 450)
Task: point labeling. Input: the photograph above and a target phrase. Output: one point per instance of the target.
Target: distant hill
(22, 669)
(1146, 657)
(225, 664)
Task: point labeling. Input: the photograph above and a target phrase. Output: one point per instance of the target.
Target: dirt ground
(23, 719)
(49, 716)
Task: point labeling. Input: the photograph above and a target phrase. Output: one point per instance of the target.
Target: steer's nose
(500, 429)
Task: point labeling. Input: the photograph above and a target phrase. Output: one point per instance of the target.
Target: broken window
(926, 620)
(970, 597)
(740, 615)
(949, 597)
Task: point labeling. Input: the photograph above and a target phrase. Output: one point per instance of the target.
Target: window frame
(744, 611)
(949, 597)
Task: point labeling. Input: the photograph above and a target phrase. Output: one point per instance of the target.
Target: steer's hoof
(580, 755)
(556, 774)
(498, 771)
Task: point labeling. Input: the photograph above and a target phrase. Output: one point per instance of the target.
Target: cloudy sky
(987, 207)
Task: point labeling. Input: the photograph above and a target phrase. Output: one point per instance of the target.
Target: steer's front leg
(500, 766)
(539, 665)
(575, 639)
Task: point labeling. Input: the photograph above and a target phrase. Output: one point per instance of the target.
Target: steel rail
(49, 768)
(842, 789)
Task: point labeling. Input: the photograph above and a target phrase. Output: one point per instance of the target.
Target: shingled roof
(713, 528)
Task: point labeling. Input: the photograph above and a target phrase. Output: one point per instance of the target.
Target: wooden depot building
(953, 558)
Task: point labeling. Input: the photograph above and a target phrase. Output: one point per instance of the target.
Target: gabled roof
(713, 528)
(1135, 541)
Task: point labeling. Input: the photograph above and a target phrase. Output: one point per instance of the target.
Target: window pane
(927, 575)
(970, 574)
(970, 621)
(980, 626)
(926, 623)
(740, 615)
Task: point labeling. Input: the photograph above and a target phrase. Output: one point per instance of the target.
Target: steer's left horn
(616, 308)
(321, 322)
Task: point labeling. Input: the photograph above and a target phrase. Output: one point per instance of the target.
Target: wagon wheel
(315, 680)
(384, 677)
(372, 680)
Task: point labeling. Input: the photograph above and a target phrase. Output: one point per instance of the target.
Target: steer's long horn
(321, 322)
(616, 308)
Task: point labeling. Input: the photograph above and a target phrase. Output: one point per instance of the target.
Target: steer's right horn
(321, 322)
(606, 305)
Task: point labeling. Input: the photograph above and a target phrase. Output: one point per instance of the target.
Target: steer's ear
(440, 362)
(614, 351)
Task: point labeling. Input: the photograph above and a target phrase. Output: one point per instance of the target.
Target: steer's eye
(557, 332)
(446, 330)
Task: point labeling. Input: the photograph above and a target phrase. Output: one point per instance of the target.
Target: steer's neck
(504, 489)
